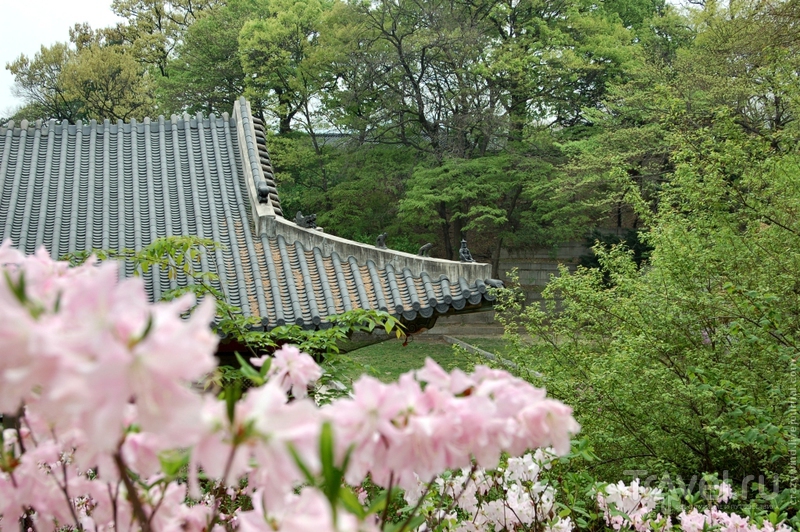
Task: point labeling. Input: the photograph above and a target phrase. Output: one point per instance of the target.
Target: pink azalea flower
(293, 370)
(264, 425)
(308, 510)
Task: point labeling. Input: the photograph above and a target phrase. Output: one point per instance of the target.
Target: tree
(553, 59)
(707, 329)
(410, 74)
(707, 326)
(503, 201)
(354, 190)
(95, 77)
(277, 52)
(39, 82)
(206, 73)
(109, 83)
(155, 27)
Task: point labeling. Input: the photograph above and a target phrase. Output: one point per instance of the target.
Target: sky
(29, 24)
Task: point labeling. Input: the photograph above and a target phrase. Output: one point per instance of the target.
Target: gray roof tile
(103, 185)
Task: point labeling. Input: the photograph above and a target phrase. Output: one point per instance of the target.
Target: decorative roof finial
(464, 253)
(306, 222)
(263, 191)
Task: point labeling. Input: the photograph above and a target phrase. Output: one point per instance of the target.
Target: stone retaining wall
(534, 269)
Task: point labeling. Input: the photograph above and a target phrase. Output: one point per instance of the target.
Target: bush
(688, 363)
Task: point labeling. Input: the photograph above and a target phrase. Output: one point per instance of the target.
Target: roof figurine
(305, 221)
(463, 252)
(103, 185)
(425, 250)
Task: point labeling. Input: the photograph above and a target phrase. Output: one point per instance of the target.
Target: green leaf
(232, 394)
(173, 461)
(331, 475)
(350, 502)
(301, 465)
(248, 371)
(18, 288)
(409, 524)
(381, 501)
(265, 367)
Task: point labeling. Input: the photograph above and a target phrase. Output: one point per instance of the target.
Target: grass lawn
(495, 345)
(388, 360)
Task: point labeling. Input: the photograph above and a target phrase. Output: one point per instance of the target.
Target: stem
(417, 507)
(463, 489)
(112, 496)
(388, 500)
(17, 425)
(138, 509)
(524, 526)
(65, 489)
(220, 488)
(157, 506)
(241, 334)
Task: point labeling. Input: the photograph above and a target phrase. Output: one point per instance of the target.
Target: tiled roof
(122, 185)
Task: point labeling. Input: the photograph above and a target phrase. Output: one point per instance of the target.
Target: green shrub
(687, 364)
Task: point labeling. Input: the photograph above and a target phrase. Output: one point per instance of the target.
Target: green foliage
(94, 79)
(277, 53)
(205, 74)
(707, 329)
(40, 84)
(686, 361)
(354, 192)
(153, 28)
(506, 199)
(109, 83)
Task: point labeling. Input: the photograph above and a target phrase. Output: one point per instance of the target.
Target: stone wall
(534, 269)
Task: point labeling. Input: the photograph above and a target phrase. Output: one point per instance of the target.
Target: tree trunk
(446, 231)
(518, 117)
(496, 258)
(286, 112)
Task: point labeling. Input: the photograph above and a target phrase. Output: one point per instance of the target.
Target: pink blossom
(403, 431)
(366, 422)
(724, 492)
(694, 521)
(308, 510)
(293, 370)
(140, 452)
(85, 345)
(264, 426)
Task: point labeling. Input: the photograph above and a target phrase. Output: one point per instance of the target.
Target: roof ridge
(266, 164)
(257, 167)
(113, 126)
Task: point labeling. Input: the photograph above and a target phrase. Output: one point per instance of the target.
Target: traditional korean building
(104, 185)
